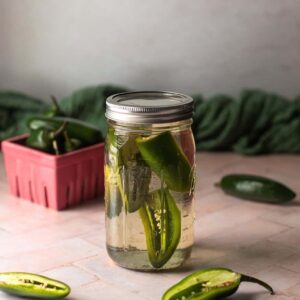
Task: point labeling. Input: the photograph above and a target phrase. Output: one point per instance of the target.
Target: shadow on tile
(247, 259)
(294, 203)
(244, 296)
(91, 205)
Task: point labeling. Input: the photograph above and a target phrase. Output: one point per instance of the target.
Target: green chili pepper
(114, 194)
(128, 171)
(58, 139)
(71, 144)
(47, 141)
(40, 139)
(129, 152)
(32, 285)
(136, 180)
(210, 284)
(112, 156)
(113, 197)
(55, 110)
(162, 224)
(82, 131)
(256, 188)
(167, 160)
(134, 173)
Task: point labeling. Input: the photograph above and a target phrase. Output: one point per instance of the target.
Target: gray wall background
(57, 46)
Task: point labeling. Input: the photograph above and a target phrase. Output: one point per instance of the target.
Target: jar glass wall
(149, 192)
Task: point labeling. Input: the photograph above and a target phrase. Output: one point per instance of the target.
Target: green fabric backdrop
(255, 123)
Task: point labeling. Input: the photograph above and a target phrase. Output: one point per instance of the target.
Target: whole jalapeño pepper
(76, 129)
(46, 140)
(40, 139)
(256, 188)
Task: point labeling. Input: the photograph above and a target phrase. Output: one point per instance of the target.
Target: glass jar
(149, 179)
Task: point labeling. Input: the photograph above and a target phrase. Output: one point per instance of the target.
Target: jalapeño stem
(60, 130)
(246, 278)
(55, 102)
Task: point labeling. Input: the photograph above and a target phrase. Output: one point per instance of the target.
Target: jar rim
(149, 107)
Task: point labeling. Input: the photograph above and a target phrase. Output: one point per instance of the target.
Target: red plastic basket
(55, 181)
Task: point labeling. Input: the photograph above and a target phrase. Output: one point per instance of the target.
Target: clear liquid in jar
(125, 240)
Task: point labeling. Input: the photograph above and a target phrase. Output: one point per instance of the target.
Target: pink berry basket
(54, 181)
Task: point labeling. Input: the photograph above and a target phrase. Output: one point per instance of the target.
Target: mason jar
(149, 179)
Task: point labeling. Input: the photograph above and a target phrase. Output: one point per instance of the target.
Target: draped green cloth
(255, 123)
(15, 108)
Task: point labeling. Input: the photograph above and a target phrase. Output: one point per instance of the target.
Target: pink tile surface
(291, 263)
(104, 290)
(295, 291)
(75, 276)
(286, 280)
(257, 239)
(291, 238)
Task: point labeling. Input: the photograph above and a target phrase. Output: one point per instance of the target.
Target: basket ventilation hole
(17, 187)
(82, 191)
(68, 196)
(46, 197)
(30, 191)
(96, 187)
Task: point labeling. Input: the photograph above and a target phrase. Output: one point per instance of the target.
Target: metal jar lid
(149, 107)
